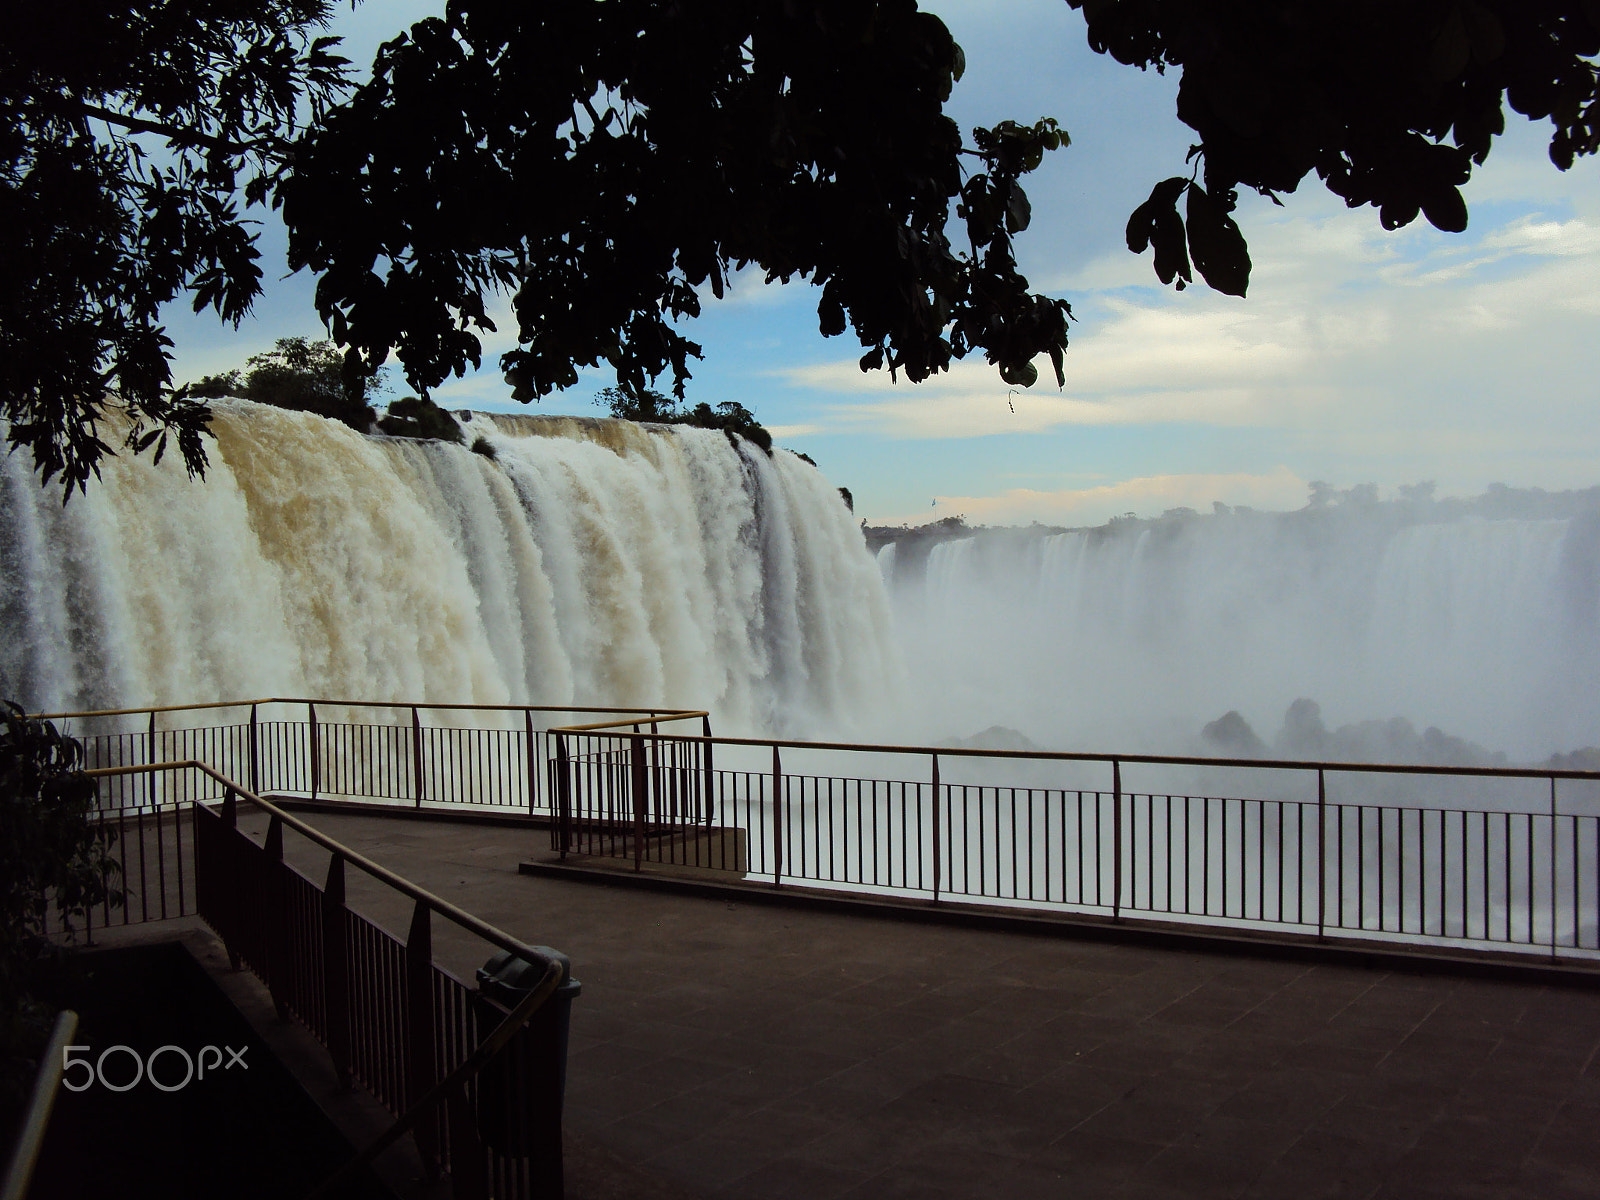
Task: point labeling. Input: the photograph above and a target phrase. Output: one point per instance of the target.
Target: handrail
(46, 1084)
(660, 714)
(573, 708)
(444, 908)
(555, 967)
(1086, 756)
(670, 714)
(470, 1066)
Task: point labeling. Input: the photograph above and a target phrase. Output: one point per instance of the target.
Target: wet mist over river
(1418, 630)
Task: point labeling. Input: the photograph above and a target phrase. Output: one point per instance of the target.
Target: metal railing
(319, 748)
(411, 1032)
(1475, 859)
(1414, 855)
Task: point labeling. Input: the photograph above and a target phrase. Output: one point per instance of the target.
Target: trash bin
(521, 1089)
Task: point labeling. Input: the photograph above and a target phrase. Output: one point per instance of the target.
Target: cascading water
(1135, 635)
(589, 561)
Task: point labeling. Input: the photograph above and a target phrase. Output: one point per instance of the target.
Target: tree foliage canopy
(606, 161)
(599, 159)
(1389, 102)
(99, 232)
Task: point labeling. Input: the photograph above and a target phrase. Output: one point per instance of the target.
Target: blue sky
(1359, 356)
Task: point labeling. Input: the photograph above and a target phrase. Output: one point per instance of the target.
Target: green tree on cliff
(730, 416)
(302, 375)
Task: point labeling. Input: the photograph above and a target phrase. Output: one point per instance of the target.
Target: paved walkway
(735, 1051)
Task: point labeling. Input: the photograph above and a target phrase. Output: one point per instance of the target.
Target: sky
(1359, 355)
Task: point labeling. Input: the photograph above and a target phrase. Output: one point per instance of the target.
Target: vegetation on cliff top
(732, 418)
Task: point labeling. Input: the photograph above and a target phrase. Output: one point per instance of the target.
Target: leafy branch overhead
(1388, 104)
(608, 162)
(129, 135)
(1209, 239)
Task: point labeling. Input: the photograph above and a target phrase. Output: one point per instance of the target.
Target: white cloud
(1325, 340)
(1149, 496)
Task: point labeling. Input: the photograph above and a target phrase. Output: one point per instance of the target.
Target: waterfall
(1135, 635)
(588, 561)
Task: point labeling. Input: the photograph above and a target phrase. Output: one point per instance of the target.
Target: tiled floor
(741, 1051)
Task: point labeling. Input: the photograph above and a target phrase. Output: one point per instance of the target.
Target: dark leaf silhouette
(1215, 243)
(1389, 105)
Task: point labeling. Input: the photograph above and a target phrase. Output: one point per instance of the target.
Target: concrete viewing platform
(725, 1050)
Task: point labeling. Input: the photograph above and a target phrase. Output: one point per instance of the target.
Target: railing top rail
(490, 934)
(419, 704)
(656, 717)
(1084, 756)
(41, 1101)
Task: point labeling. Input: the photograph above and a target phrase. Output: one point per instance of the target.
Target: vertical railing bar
(1116, 839)
(1013, 795)
(1049, 876)
(1361, 866)
(1554, 903)
(1083, 848)
(1445, 866)
(1507, 825)
(1528, 822)
(1222, 805)
(1577, 883)
(420, 1076)
(177, 837)
(144, 873)
(1488, 931)
(336, 969)
(122, 836)
(255, 752)
(311, 734)
(161, 863)
(639, 782)
(416, 755)
(1149, 856)
(150, 757)
(833, 836)
(1383, 893)
(777, 818)
(1028, 808)
(709, 779)
(1181, 857)
(1322, 854)
(983, 838)
(277, 949)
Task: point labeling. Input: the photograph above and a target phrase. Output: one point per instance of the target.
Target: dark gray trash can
(521, 1089)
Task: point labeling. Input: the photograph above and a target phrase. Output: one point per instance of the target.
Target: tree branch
(189, 137)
